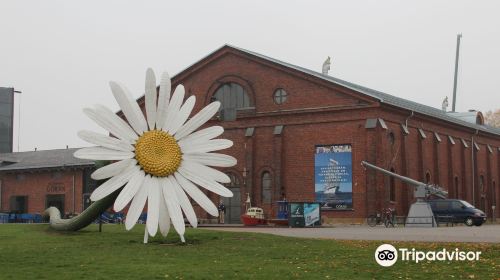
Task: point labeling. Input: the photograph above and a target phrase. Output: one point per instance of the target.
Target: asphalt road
(484, 233)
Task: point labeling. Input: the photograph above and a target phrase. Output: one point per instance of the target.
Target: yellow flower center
(158, 153)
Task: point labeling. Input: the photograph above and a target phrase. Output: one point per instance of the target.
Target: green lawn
(37, 252)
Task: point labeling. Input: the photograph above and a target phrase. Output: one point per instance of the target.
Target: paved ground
(485, 233)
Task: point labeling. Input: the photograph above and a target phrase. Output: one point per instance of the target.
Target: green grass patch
(37, 252)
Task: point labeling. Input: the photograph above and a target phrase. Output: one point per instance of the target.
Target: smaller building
(32, 181)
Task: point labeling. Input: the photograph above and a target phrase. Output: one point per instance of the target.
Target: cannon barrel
(420, 185)
(402, 178)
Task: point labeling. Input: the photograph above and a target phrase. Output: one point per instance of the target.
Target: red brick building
(284, 118)
(282, 113)
(32, 181)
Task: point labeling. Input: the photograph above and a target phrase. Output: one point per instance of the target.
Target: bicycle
(387, 218)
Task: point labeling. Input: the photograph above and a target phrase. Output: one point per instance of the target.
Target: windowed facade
(232, 96)
(266, 187)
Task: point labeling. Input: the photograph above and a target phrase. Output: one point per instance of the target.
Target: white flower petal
(163, 100)
(173, 107)
(112, 169)
(205, 147)
(150, 98)
(195, 193)
(203, 181)
(184, 203)
(108, 124)
(153, 207)
(129, 107)
(105, 141)
(174, 209)
(182, 116)
(198, 120)
(207, 172)
(211, 159)
(137, 205)
(129, 191)
(114, 183)
(121, 129)
(164, 218)
(202, 135)
(98, 153)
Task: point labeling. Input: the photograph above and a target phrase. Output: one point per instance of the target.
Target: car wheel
(469, 222)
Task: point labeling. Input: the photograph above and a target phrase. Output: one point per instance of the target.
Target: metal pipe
(408, 118)
(74, 207)
(473, 168)
(456, 73)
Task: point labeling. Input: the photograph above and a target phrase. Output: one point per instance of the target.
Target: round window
(280, 96)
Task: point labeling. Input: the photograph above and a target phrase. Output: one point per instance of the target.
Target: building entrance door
(55, 200)
(233, 204)
(233, 207)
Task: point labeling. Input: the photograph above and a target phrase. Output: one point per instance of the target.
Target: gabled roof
(41, 159)
(380, 96)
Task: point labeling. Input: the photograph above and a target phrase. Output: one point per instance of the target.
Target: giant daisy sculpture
(160, 159)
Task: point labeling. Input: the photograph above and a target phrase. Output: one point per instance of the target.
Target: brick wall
(317, 112)
(37, 185)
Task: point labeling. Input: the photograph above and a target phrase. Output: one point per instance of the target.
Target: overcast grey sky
(61, 54)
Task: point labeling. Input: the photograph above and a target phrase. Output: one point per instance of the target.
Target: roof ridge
(382, 96)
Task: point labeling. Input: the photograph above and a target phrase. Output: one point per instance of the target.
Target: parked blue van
(457, 211)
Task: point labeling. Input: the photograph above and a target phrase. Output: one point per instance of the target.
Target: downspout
(73, 187)
(407, 173)
(406, 121)
(473, 168)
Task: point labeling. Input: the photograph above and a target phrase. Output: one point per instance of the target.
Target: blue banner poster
(333, 176)
(312, 214)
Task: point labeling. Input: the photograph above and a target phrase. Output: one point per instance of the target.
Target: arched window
(392, 138)
(481, 184)
(232, 96)
(266, 187)
(427, 177)
(392, 187)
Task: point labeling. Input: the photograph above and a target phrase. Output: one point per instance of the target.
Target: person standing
(222, 212)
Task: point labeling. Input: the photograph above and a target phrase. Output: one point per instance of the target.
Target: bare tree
(492, 118)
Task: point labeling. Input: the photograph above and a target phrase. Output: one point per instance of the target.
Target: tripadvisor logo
(387, 255)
